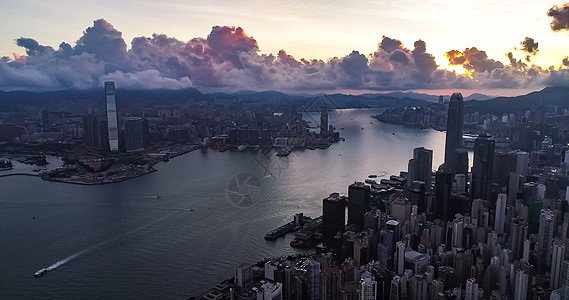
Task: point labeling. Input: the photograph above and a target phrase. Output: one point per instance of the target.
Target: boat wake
(103, 244)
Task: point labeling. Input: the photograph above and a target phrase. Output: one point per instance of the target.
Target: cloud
(560, 17)
(529, 47)
(230, 59)
(473, 60)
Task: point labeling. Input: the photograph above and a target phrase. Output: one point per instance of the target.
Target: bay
(177, 232)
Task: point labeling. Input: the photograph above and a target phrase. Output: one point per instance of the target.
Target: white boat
(242, 147)
(40, 272)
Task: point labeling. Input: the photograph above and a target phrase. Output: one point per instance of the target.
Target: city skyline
(220, 46)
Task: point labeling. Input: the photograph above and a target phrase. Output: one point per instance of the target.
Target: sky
(291, 46)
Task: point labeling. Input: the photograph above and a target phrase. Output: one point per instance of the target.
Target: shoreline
(150, 170)
(84, 180)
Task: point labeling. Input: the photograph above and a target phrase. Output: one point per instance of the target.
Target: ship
(285, 151)
(242, 147)
(40, 272)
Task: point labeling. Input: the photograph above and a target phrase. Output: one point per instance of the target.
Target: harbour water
(177, 232)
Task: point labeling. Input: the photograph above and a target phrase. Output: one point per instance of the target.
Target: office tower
(483, 166)
(358, 200)
(420, 167)
(323, 120)
(443, 187)
(368, 287)
(544, 239)
(333, 219)
(313, 269)
(112, 121)
(455, 122)
(331, 280)
(133, 134)
(558, 256)
(500, 214)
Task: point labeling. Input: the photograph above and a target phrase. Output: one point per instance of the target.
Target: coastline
(87, 179)
(94, 178)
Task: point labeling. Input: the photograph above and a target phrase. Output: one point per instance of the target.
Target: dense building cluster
(497, 230)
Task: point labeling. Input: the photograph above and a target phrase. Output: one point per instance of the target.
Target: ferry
(40, 272)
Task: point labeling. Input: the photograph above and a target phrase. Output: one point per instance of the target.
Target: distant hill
(9, 100)
(478, 96)
(558, 95)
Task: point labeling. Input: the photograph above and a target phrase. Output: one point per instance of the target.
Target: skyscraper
(455, 122)
(483, 166)
(112, 121)
(544, 239)
(556, 264)
(358, 200)
(333, 218)
(133, 134)
(500, 214)
(443, 186)
(420, 167)
(323, 120)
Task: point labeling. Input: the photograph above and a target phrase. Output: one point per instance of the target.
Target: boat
(40, 272)
(286, 150)
(372, 176)
(370, 181)
(242, 147)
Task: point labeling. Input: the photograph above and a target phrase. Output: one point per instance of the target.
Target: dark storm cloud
(529, 47)
(560, 17)
(230, 59)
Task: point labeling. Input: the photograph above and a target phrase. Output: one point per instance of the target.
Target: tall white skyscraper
(112, 121)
